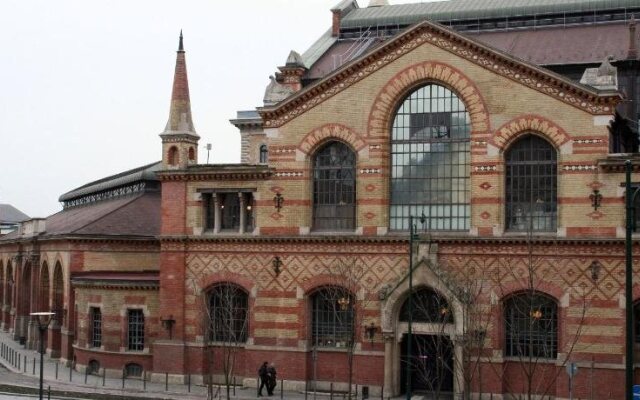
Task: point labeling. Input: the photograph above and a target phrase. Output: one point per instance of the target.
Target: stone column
(243, 213)
(216, 212)
(389, 372)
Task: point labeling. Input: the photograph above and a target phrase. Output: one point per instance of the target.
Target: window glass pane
(531, 185)
(95, 327)
(332, 317)
(531, 326)
(334, 188)
(228, 313)
(136, 330)
(229, 211)
(430, 162)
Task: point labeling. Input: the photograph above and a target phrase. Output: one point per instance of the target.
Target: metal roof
(144, 173)
(318, 48)
(10, 214)
(402, 14)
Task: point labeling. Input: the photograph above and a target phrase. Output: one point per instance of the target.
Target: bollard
(166, 381)
(86, 372)
(234, 385)
(34, 365)
(25, 364)
(331, 391)
(382, 393)
(189, 383)
(123, 378)
(356, 391)
(104, 373)
(306, 389)
(19, 359)
(48, 392)
(281, 389)
(70, 372)
(144, 381)
(57, 372)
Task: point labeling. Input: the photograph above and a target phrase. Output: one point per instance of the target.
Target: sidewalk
(23, 374)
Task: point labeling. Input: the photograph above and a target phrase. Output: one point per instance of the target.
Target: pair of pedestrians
(267, 374)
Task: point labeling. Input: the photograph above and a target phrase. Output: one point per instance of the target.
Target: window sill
(537, 360)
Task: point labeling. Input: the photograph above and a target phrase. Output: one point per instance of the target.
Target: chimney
(335, 26)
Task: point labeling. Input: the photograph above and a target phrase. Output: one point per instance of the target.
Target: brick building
(300, 254)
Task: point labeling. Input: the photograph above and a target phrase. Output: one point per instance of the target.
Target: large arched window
(332, 317)
(531, 185)
(43, 297)
(428, 306)
(228, 313)
(531, 326)
(334, 188)
(430, 160)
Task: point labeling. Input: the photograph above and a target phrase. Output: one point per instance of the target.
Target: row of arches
(25, 288)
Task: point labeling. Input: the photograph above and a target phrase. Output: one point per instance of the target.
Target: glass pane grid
(229, 307)
(334, 187)
(531, 327)
(96, 327)
(136, 330)
(332, 324)
(430, 156)
(531, 186)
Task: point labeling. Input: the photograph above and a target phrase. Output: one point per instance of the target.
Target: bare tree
(339, 311)
(225, 321)
(531, 319)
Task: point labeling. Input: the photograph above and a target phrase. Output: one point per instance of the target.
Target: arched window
(228, 313)
(264, 154)
(430, 160)
(635, 201)
(172, 156)
(427, 306)
(332, 317)
(133, 370)
(531, 185)
(93, 368)
(10, 284)
(334, 188)
(531, 326)
(58, 294)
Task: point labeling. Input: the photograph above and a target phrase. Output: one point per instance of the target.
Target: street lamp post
(412, 236)
(628, 293)
(43, 319)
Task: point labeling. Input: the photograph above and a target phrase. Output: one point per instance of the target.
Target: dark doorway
(432, 365)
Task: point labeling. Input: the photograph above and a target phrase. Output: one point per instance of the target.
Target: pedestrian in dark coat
(263, 375)
(273, 380)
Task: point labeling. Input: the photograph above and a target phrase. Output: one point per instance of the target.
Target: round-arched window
(430, 160)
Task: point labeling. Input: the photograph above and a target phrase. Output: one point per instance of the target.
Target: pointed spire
(180, 121)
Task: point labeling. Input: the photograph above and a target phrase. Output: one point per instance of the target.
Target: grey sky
(86, 84)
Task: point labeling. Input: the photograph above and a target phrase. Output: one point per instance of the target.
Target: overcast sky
(85, 85)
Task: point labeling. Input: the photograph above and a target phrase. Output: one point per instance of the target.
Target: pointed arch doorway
(435, 330)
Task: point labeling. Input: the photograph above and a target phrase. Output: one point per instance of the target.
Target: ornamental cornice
(542, 80)
(116, 285)
(186, 175)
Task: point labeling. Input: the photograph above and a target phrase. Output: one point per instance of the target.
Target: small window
(95, 334)
(264, 154)
(133, 370)
(172, 156)
(135, 330)
(209, 204)
(229, 211)
(334, 188)
(228, 310)
(531, 185)
(332, 317)
(192, 154)
(531, 326)
(93, 368)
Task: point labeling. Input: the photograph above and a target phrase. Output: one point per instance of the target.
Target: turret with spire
(179, 139)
